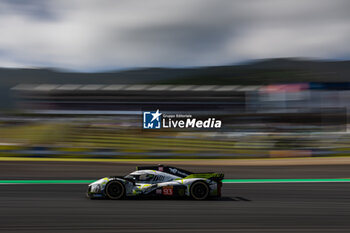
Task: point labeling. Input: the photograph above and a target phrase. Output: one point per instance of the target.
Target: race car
(158, 181)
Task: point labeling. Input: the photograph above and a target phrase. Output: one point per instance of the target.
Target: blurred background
(75, 78)
(50, 113)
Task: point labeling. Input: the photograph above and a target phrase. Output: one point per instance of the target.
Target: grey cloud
(102, 34)
(35, 9)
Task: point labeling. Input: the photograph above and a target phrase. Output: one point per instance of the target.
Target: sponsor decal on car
(175, 171)
(158, 191)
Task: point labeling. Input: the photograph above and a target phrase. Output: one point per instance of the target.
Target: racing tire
(115, 190)
(199, 190)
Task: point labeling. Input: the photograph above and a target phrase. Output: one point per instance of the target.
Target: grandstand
(131, 99)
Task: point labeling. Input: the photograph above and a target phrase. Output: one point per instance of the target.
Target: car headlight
(96, 188)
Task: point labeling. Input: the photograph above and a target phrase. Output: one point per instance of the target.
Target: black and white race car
(161, 181)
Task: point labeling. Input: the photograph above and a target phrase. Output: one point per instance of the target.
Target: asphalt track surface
(277, 207)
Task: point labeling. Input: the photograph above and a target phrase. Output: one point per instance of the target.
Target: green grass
(33, 133)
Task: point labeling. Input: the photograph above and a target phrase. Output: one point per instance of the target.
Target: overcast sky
(89, 35)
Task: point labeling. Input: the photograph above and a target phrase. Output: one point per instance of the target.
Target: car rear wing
(167, 169)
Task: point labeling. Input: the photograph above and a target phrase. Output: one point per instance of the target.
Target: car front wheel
(115, 190)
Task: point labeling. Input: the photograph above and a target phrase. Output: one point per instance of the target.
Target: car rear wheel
(115, 190)
(199, 190)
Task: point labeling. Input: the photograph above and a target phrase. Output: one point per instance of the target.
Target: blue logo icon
(152, 120)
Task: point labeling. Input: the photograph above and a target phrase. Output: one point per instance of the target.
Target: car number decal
(168, 190)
